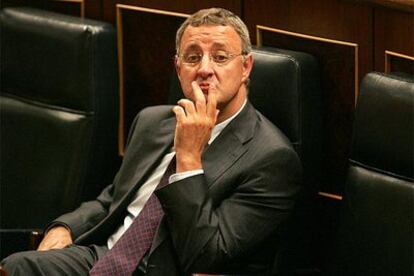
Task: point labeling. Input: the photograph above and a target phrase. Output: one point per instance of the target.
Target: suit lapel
(148, 158)
(157, 145)
(229, 146)
(144, 155)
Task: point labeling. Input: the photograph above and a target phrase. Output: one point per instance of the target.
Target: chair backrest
(59, 113)
(377, 230)
(284, 86)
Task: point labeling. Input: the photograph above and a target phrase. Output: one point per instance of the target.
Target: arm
(66, 228)
(210, 235)
(87, 215)
(61, 232)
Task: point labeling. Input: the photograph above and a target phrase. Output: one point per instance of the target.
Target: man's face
(211, 56)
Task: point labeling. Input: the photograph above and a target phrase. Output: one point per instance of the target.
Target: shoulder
(159, 112)
(269, 145)
(269, 134)
(257, 134)
(272, 157)
(152, 114)
(149, 119)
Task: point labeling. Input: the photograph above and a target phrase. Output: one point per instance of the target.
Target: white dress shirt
(145, 191)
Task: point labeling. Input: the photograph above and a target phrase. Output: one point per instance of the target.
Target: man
(234, 183)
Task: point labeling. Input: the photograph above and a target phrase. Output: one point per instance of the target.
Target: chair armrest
(15, 240)
(3, 272)
(35, 237)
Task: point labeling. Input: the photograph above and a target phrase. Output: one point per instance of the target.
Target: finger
(200, 100)
(212, 103)
(198, 93)
(188, 106)
(44, 247)
(179, 113)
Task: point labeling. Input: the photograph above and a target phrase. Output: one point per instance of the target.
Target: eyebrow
(192, 46)
(216, 46)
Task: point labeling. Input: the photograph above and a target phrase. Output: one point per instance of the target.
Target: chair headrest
(383, 135)
(47, 56)
(285, 88)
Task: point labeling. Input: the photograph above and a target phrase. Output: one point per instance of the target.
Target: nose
(205, 68)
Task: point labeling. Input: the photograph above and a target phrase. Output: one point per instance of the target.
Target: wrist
(188, 162)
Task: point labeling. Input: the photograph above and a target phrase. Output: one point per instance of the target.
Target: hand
(195, 121)
(56, 238)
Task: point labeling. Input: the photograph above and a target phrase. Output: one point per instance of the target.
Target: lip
(204, 87)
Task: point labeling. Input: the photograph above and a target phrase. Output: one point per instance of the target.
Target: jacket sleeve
(87, 215)
(90, 213)
(208, 235)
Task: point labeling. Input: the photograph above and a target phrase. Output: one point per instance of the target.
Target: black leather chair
(377, 228)
(59, 115)
(284, 86)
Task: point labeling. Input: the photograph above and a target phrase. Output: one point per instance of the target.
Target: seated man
(204, 186)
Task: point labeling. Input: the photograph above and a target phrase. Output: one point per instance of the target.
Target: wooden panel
(332, 19)
(183, 6)
(93, 9)
(398, 63)
(146, 45)
(403, 5)
(339, 71)
(71, 7)
(394, 32)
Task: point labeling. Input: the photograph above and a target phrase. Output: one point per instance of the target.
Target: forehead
(210, 36)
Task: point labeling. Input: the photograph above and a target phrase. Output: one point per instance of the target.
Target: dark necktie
(126, 254)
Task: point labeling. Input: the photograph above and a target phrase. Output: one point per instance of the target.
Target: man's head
(216, 17)
(213, 48)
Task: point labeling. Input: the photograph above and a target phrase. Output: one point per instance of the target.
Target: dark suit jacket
(226, 220)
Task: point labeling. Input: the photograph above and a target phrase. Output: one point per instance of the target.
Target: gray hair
(216, 16)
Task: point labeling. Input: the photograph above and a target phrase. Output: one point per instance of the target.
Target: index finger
(198, 93)
(212, 102)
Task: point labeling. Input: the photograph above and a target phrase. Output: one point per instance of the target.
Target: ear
(177, 67)
(247, 67)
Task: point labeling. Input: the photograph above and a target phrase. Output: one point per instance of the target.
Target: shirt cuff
(180, 176)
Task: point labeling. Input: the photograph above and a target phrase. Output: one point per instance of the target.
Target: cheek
(185, 75)
(188, 75)
(185, 80)
(230, 78)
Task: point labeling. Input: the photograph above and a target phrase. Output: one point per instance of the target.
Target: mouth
(204, 87)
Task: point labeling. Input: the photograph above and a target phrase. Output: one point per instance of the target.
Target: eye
(192, 58)
(220, 57)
